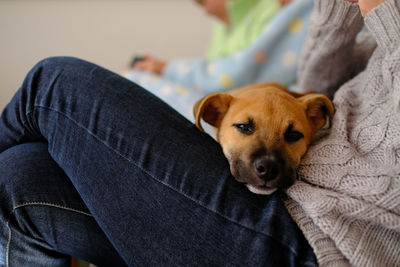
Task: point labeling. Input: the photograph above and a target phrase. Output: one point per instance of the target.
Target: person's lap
(160, 190)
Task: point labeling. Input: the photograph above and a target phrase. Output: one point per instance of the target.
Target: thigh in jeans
(159, 189)
(43, 219)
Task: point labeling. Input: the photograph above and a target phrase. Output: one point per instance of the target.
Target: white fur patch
(258, 191)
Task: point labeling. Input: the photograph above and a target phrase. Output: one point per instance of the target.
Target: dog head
(264, 130)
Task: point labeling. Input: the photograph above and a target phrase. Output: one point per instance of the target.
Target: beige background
(107, 32)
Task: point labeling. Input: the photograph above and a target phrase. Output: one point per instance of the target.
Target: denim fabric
(159, 190)
(43, 209)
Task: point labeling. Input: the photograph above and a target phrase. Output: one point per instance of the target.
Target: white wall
(107, 32)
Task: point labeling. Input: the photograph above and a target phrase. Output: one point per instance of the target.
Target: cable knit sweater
(347, 198)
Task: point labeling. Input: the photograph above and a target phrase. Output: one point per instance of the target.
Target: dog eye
(292, 136)
(245, 128)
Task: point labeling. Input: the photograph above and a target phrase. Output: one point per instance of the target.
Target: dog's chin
(260, 190)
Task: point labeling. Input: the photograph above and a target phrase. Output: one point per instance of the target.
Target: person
(346, 200)
(118, 177)
(253, 41)
(239, 23)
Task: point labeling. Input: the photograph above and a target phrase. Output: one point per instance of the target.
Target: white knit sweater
(347, 199)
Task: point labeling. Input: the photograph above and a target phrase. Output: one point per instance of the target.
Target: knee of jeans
(16, 167)
(51, 72)
(57, 63)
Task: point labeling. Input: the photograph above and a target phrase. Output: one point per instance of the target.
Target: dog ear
(211, 109)
(319, 110)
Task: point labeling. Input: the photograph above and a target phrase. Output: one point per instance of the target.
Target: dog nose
(267, 168)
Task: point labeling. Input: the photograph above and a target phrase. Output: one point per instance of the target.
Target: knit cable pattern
(347, 197)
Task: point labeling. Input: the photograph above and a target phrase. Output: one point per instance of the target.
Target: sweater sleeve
(384, 24)
(328, 57)
(211, 76)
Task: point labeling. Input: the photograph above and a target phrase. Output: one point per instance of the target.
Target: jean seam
(35, 204)
(8, 242)
(162, 182)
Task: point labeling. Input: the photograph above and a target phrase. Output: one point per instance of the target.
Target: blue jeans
(95, 167)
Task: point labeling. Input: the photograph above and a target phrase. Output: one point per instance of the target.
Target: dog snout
(267, 168)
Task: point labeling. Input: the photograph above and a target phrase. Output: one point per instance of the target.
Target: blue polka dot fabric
(272, 57)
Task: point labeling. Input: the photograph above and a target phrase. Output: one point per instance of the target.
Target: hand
(150, 64)
(285, 2)
(366, 5)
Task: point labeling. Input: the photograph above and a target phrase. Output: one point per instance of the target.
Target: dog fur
(264, 130)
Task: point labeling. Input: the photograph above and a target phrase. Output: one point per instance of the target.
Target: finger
(140, 65)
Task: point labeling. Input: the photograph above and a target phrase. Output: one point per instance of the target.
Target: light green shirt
(248, 19)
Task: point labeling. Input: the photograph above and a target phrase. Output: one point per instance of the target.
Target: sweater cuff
(337, 14)
(383, 22)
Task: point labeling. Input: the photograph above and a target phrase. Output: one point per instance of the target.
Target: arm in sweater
(329, 56)
(340, 202)
(384, 24)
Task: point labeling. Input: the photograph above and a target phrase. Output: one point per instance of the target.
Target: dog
(264, 130)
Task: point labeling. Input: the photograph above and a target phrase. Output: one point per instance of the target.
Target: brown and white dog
(264, 131)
